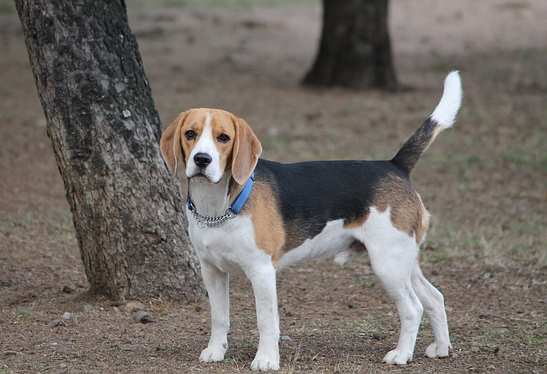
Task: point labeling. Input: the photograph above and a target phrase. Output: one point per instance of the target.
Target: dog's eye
(223, 138)
(190, 134)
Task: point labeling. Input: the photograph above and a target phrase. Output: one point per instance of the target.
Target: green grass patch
(367, 281)
(217, 3)
(537, 341)
(7, 7)
(526, 159)
(10, 222)
(23, 312)
(367, 327)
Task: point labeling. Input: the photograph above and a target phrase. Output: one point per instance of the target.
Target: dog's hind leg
(397, 282)
(393, 255)
(433, 303)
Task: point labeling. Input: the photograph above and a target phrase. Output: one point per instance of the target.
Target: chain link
(209, 221)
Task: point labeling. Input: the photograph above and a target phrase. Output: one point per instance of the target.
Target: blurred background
(484, 181)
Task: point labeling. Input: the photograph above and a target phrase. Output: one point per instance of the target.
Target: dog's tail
(442, 118)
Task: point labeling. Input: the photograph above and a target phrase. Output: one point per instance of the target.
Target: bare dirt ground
(485, 182)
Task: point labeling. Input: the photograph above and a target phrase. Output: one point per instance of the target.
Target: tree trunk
(105, 133)
(355, 48)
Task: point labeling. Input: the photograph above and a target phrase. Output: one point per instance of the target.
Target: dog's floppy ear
(246, 151)
(170, 145)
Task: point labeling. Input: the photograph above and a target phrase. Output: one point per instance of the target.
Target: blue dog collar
(243, 196)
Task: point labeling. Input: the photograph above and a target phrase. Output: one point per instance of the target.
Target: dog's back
(311, 194)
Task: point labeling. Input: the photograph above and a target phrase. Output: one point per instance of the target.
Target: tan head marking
(227, 139)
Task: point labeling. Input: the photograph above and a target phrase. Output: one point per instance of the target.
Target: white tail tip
(447, 109)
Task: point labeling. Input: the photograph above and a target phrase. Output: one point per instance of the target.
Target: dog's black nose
(202, 160)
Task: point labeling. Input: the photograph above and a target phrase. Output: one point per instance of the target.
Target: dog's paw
(437, 350)
(213, 354)
(343, 258)
(397, 357)
(265, 361)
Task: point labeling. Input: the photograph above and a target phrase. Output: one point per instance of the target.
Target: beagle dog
(258, 216)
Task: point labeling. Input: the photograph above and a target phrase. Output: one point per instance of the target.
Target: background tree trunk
(355, 47)
(105, 133)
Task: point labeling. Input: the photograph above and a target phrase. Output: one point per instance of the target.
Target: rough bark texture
(355, 47)
(105, 133)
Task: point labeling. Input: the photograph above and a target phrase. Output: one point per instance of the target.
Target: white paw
(213, 353)
(264, 361)
(437, 350)
(343, 258)
(396, 357)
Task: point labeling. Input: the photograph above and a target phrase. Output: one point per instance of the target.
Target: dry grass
(484, 181)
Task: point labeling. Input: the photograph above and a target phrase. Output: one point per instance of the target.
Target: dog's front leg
(264, 288)
(217, 284)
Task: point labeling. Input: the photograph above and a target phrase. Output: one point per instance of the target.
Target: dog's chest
(230, 246)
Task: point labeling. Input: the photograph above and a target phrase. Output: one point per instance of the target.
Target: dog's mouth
(202, 177)
(199, 176)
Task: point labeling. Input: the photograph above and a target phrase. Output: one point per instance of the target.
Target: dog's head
(210, 143)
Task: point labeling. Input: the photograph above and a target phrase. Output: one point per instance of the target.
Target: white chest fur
(230, 246)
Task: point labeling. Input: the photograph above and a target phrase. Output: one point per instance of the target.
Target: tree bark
(105, 133)
(355, 47)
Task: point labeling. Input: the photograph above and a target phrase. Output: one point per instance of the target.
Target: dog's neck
(210, 199)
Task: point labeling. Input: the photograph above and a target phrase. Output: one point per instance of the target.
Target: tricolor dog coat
(258, 216)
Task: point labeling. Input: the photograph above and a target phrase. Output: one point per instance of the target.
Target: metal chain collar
(210, 221)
